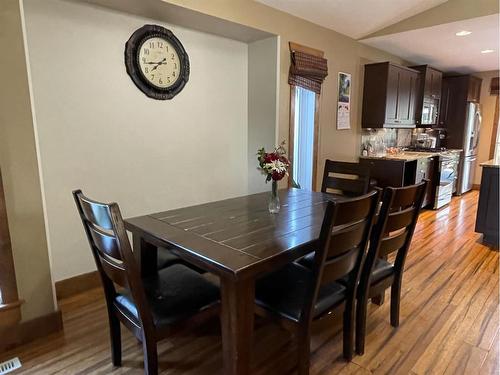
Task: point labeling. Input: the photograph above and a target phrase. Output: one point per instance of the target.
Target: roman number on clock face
(159, 62)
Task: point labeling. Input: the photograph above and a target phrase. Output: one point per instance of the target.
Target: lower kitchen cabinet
(399, 172)
(427, 170)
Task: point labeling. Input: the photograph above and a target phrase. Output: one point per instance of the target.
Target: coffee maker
(437, 138)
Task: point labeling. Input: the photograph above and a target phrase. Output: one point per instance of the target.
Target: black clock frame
(132, 49)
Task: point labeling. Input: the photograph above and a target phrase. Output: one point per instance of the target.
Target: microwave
(430, 111)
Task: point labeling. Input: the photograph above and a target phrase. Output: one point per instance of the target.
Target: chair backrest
(342, 244)
(349, 179)
(111, 249)
(394, 228)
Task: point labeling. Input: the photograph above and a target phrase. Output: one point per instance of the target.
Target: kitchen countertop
(409, 155)
(491, 164)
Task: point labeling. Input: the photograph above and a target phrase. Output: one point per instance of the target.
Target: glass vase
(274, 199)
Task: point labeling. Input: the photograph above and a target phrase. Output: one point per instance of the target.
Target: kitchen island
(487, 221)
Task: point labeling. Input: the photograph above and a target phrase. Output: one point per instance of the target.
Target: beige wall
(343, 54)
(262, 105)
(488, 103)
(19, 164)
(98, 132)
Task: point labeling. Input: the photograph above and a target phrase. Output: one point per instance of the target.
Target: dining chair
(392, 233)
(167, 258)
(297, 296)
(152, 308)
(344, 178)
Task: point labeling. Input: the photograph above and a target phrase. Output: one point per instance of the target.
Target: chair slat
(405, 196)
(350, 185)
(400, 219)
(106, 243)
(114, 272)
(393, 243)
(358, 185)
(96, 213)
(343, 167)
(353, 211)
(346, 239)
(340, 266)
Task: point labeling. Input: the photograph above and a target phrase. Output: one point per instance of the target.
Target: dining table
(238, 240)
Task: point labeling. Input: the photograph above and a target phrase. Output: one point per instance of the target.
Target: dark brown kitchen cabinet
(456, 92)
(400, 172)
(428, 96)
(426, 170)
(474, 91)
(390, 172)
(389, 97)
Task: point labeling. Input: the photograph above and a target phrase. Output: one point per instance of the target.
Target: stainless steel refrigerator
(470, 144)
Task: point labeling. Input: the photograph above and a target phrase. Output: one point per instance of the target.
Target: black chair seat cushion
(284, 292)
(166, 258)
(381, 270)
(175, 293)
(307, 260)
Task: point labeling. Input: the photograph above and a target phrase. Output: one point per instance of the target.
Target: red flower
(277, 176)
(270, 157)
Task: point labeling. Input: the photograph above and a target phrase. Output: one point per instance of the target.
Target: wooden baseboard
(78, 284)
(10, 314)
(30, 330)
(476, 186)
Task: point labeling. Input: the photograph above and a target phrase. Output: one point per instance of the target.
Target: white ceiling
(355, 18)
(440, 47)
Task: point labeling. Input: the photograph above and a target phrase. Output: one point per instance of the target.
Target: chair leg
(304, 350)
(149, 348)
(361, 311)
(348, 324)
(395, 303)
(379, 299)
(116, 340)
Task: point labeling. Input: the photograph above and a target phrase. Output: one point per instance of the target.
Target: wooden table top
(238, 237)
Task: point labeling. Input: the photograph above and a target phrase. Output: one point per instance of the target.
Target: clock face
(159, 62)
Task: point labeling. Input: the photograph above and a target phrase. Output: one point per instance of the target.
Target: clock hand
(160, 63)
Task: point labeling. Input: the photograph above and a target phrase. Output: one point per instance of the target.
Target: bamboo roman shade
(307, 71)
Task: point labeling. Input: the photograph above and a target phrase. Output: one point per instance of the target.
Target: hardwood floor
(449, 321)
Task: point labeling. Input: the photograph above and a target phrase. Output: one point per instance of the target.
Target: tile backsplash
(378, 140)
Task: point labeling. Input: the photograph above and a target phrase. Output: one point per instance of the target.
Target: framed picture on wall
(344, 102)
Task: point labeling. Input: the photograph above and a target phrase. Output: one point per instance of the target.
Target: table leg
(237, 317)
(146, 255)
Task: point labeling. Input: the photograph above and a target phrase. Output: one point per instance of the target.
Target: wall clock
(157, 62)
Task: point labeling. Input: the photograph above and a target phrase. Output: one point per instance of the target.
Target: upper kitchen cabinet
(474, 91)
(428, 96)
(456, 92)
(389, 97)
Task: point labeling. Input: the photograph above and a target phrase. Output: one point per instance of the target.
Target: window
(303, 136)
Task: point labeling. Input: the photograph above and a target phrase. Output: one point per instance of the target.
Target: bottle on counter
(364, 150)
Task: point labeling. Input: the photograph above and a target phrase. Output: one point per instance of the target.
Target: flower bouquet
(274, 165)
